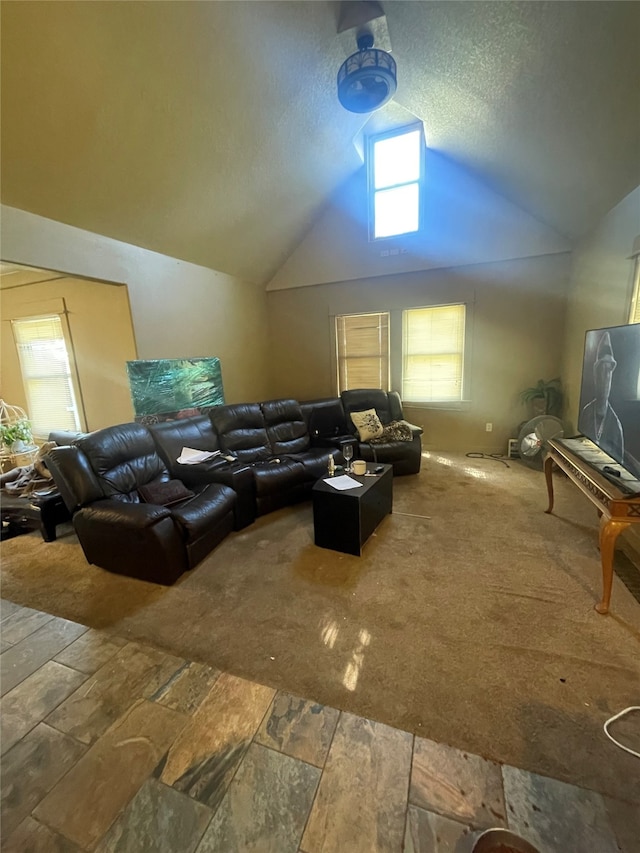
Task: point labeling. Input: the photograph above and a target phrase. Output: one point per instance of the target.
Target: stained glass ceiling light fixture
(367, 79)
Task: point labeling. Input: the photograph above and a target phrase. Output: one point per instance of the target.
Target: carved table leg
(609, 532)
(548, 475)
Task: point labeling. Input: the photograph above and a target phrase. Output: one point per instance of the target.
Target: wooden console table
(617, 507)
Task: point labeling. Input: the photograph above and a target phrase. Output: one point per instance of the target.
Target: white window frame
(372, 192)
(69, 378)
(634, 308)
(456, 347)
(343, 356)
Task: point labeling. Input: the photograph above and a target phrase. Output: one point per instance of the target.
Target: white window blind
(46, 374)
(433, 353)
(362, 351)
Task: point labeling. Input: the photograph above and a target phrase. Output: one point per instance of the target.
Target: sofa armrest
(73, 476)
(62, 437)
(126, 516)
(240, 478)
(236, 475)
(139, 540)
(415, 429)
(337, 441)
(202, 473)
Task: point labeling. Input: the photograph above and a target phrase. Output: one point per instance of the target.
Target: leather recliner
(99, 477)
(289, 437)
(327, 424)
(405, 456)
(242, 432)
(197, 433)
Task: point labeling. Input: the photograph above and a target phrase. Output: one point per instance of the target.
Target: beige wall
(99, 323)
(465, 223)
(178, 309)
(516, 314)
(475, 247)
(600, 287)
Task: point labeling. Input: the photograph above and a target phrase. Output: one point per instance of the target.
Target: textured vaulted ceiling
(211, 131)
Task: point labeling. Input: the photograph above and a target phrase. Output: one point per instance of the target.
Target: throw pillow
(164, 492)
(367, 423)
(395, 431)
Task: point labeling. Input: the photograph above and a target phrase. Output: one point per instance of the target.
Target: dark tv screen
(610, 394)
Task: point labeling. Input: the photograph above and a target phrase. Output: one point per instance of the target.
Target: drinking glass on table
(347, 452)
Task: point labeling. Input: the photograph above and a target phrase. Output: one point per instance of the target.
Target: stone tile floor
(111, 745)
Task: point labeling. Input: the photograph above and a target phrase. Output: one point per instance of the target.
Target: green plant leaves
(549, 390)
(19, 430)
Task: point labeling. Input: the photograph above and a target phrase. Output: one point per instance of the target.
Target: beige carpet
(469, 619)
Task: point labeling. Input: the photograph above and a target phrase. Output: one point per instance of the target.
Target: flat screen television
(610, 393)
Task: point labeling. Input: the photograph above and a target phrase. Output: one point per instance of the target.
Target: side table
(33, 512)
(617, 509)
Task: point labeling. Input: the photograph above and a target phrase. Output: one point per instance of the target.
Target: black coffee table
(343, 521)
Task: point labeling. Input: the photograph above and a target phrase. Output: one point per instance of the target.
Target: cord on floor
(497, 457)
(617, 717)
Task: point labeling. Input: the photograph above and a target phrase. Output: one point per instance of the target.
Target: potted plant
(545, 397)
(16, 435)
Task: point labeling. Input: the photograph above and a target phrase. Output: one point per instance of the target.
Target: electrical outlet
(489, 427)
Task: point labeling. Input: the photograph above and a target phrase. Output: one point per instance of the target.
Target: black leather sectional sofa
(328, 420)
(138, 511)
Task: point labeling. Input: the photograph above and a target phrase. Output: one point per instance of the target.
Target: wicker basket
(20, 452)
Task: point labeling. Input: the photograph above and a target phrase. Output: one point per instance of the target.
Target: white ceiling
(211, 131)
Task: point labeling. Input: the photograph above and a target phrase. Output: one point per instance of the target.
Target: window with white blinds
(362, 351)
(634, 313)
(46, 374)
(433, 354)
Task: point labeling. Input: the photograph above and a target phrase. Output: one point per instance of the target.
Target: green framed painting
(169, 388)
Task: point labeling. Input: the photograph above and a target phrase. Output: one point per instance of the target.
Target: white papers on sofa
(343, 483)
(189, 456)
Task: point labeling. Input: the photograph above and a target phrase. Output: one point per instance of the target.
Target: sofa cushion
(385, 403)
(286, 428)
(325, 417)
(241, 431)
(368, 424)
(164, 492)
(196, 516)
(278, 476)
(123, 458)
(171, 436)
(278, 483)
